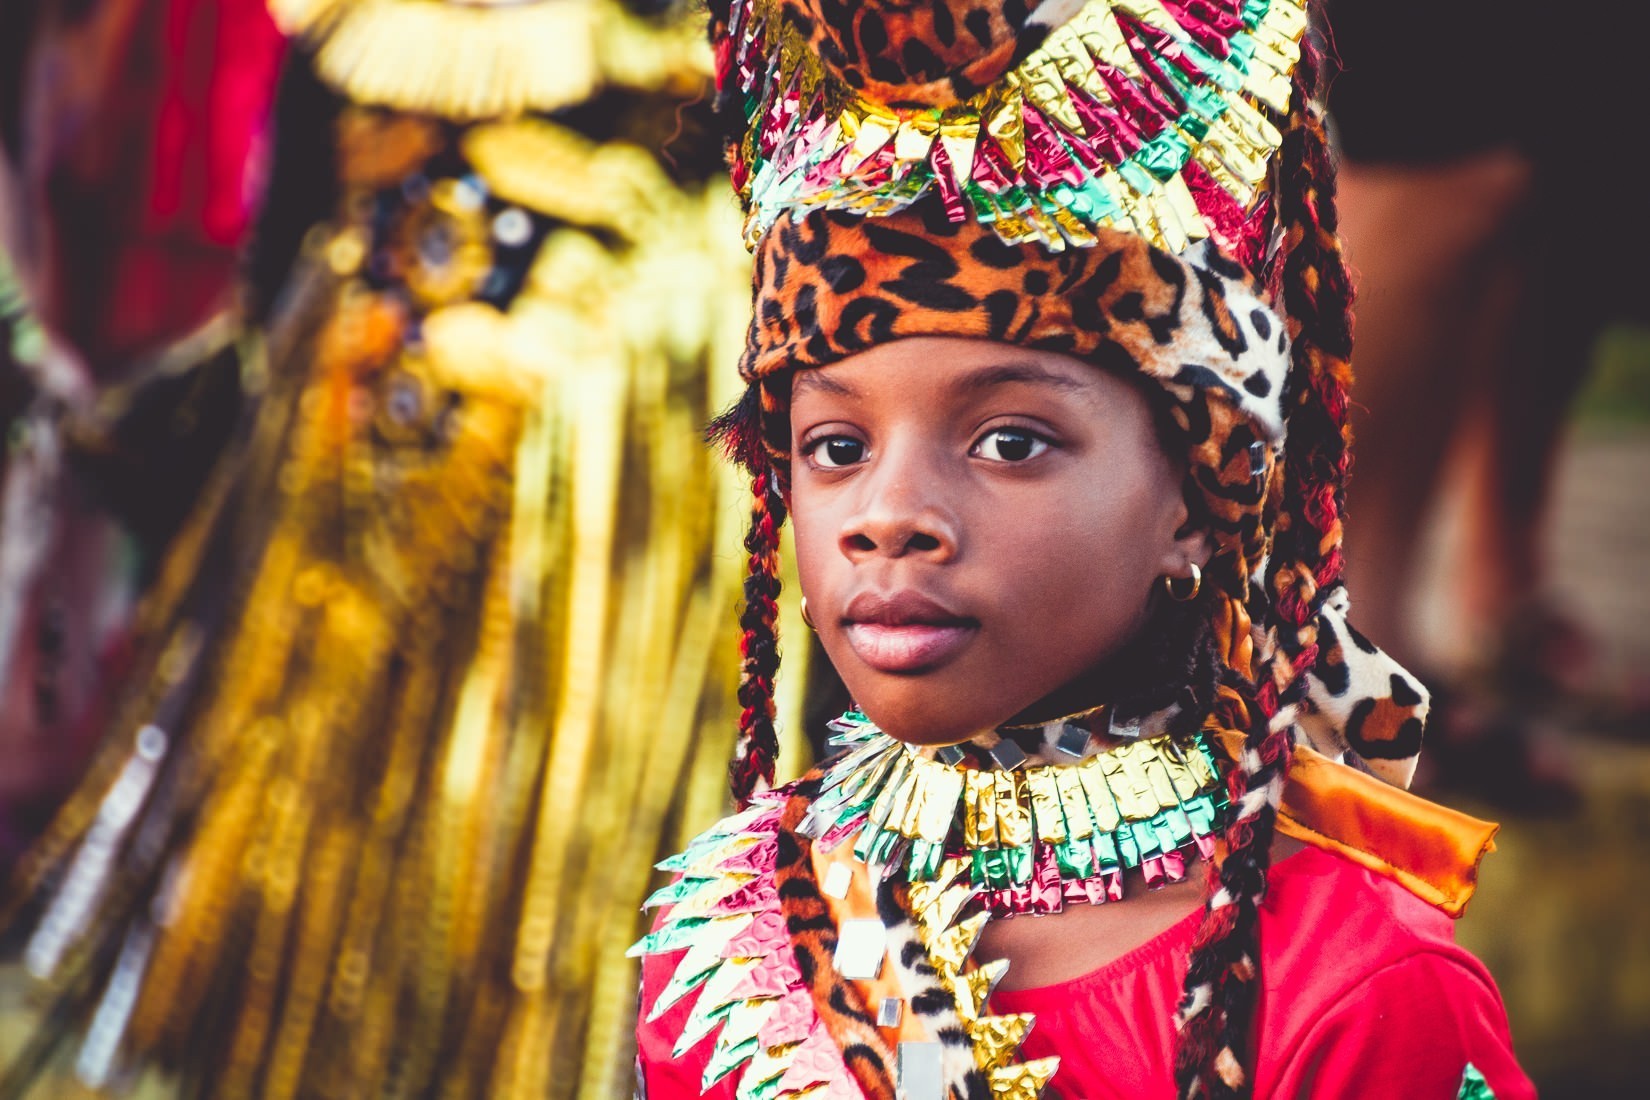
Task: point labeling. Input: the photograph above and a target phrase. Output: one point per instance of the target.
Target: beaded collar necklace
(1032, 835)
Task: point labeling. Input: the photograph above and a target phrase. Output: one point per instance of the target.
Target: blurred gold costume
(419, 692)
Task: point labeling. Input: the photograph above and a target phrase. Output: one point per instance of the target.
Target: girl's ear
(1189, 542)
(1191, 546)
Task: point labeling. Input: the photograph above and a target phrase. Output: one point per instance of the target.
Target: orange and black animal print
(931, 53)
(813, 936)
(829, 284)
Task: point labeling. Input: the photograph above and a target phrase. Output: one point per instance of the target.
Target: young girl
(1042, 290)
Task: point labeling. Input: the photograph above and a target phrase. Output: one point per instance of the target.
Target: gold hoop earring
(1197, 583)
(806, 618)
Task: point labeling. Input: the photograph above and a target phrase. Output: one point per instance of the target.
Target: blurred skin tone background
(1499, 510)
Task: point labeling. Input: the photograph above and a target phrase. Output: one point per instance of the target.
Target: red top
(1364, 993)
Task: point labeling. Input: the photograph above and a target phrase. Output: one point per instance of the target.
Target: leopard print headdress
(1142, 184)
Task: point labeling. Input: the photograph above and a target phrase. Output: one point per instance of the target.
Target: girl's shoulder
(1362, 980)
(1320, 898)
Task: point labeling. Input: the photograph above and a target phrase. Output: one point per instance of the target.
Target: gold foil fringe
(434, 674)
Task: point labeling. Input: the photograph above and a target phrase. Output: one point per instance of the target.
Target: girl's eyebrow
(1001, 374)
(819, 380)
(1006, 373)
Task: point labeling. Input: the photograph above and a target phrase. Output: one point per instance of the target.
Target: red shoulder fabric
(1408, 1030)
(1364, 993)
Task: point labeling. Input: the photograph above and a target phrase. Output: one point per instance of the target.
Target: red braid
(758, 746)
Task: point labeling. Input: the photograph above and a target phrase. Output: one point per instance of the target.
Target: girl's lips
(907, 647)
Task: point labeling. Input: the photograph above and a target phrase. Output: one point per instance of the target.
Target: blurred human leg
(1430, 249)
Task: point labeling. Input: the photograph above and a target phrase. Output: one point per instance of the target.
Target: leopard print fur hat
(1142, 184)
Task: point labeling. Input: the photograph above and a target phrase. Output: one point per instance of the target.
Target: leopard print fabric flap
(1362, 701)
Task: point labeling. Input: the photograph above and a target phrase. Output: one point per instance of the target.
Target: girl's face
(978, 527)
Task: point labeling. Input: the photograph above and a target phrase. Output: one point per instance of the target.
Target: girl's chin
(932, 725)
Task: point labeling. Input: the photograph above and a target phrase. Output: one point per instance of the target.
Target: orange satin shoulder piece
(1431, 850)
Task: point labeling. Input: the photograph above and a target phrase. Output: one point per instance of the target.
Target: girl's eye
(836, 451)
(1009, 445)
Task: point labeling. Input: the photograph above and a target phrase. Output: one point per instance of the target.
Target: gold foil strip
(1181, 779)
(1238, 175)
(1268, 79)
(891, 775)
(1025, 1081)
(1079, 822)
(915, 137)
(1041, 81)
(980, 811)
(1251, 127)
(1198, 763)
(1167, 212)
(951, 948)
(1071, 228)
(904, 820)
(1282, 44)
(1126, 776)
(872, 777)
(1180, 200)
(925, 894)
(1075, 66)
(895, 794)
(1050, 819)
(935, 817)
(997, 1038)
(1123, 199)
(1157, 778)
(1151, 13)
(943, 908)
(1047, 230)
(1011, 227)
(1103, 38)
(1006, 125)
(868, 128)
(974, 987)
(1013, 819)
(1101, 804)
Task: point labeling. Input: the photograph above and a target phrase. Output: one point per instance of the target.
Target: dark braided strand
(1307, 561)
(1222, 975)
(753, 762)
(1222, 972)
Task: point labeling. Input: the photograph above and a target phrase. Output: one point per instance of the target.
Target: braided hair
(1311, 277)
(758, 745)
(755, 434)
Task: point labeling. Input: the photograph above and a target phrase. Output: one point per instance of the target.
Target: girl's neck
(1066, 737)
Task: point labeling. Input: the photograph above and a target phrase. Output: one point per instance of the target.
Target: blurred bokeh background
(1498, 507)
(1499, 518)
